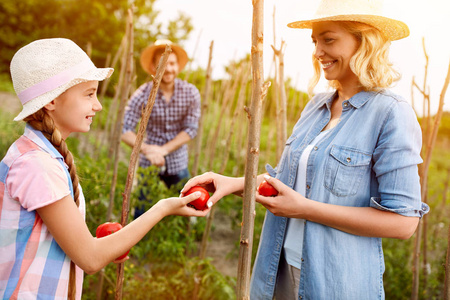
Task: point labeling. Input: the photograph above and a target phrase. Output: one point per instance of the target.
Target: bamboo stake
(135, 153)
(229, 94)
(205, 101)
(426, 164)
(102, 274)
(227, 148)
(281, 109)
(189, 64)
(124, 93)
(447, 270)
(259, 91)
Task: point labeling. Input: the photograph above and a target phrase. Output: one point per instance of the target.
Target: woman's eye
(329, 40)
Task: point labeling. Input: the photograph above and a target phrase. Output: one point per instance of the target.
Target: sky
(229, 23)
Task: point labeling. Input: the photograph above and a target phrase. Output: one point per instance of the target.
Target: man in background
(174, 118)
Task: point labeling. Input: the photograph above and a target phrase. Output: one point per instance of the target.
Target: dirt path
(222, 244)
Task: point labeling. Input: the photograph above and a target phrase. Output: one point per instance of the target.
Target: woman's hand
(288, 203)
(219, 185)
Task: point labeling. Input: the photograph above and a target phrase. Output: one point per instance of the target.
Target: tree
(96, 22)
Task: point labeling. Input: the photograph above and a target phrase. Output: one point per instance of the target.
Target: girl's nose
(97, 106)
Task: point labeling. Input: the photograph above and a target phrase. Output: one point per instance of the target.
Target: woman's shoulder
(394, 104)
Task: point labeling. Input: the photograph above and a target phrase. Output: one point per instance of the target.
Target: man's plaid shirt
(166, 120)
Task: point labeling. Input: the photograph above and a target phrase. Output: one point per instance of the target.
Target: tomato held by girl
(40, 195)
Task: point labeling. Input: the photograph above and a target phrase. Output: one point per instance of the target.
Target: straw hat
(149, 52)
(44, 69)
(364, 11)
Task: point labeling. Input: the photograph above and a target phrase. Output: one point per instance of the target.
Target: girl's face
(74, 109)
(334, 47)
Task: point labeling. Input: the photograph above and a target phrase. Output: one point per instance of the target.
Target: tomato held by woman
(267, 190)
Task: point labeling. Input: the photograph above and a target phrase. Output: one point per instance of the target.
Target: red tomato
(201, 202)
(267, 190)
(107, 229)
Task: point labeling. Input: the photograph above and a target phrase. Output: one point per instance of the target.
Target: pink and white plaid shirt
(32, 265)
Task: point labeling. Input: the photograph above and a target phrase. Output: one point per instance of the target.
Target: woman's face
(74, 109)
(334, 47)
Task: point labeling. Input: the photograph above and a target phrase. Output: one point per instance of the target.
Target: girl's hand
(288, 203)
(219, 185)
(179, 207)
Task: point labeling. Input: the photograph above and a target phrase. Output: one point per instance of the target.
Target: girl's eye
(329, 40)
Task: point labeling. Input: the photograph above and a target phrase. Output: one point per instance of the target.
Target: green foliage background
(164, 264)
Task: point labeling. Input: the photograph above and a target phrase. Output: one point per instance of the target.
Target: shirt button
(345, 104)
(315, 148)
(303, 259)
(349, 159)
(307, 186)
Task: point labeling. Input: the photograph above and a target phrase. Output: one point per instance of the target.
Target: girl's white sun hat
(44, 69)
(364, 11)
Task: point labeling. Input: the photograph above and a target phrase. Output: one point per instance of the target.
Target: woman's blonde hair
(370, 63)
(41, 121)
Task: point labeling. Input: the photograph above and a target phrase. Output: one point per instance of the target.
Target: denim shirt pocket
(285, 156)
(344, 169)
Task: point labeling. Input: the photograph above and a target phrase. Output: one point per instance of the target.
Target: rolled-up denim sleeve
(396, 160)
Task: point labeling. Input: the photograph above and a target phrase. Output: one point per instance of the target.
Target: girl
(348, 175)
(45, 243)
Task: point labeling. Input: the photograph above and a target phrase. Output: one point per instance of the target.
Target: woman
(45, 242)
(348, 175)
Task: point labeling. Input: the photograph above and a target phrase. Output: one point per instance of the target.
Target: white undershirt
(293, 243)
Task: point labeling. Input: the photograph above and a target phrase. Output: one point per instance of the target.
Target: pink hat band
(55, 81)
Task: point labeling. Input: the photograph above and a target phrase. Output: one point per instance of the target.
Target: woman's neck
(346, 91)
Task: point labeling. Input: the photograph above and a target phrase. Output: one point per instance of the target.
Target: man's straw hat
(44, 69)
(148, 53)
(364, 11)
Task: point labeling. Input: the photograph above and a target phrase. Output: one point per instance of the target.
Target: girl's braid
(41, 121)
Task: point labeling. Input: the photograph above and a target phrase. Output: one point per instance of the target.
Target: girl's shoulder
(36, 179)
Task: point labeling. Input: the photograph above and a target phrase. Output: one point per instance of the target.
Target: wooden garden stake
(281, 103)
(429, 146)
(124, 94)
(259, 91)
(205, 100)
(135, 153)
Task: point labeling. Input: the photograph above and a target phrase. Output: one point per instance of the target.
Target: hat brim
(32, 106)
(148, 53)
(392, 29)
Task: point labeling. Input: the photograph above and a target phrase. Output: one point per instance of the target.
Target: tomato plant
(107, 229)
(201, 202)
(267, 190)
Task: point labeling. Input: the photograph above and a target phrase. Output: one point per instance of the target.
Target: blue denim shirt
(368, 160)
